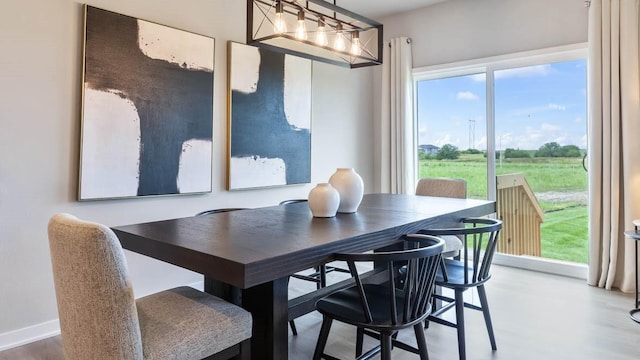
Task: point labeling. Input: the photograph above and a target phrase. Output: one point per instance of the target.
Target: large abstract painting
(269, 118)
(147, 117)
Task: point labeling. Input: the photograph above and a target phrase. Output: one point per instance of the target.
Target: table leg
(268, 304)
(635, 312)
(637, 305)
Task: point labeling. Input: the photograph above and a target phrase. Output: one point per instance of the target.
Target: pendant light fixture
(314, 29)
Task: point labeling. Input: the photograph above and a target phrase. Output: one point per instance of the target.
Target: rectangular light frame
(261, 32)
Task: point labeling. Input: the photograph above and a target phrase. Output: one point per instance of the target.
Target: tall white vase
(324, 200)
(351, 188)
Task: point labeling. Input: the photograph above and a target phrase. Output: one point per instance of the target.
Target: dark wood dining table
(247, 256)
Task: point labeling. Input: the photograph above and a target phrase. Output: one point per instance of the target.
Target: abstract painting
(147, 109)
(269, 118)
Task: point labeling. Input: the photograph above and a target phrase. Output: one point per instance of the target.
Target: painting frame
(146, 109)
(268, 118)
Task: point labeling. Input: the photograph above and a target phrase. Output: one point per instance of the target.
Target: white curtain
(614, 140)
(398, 145)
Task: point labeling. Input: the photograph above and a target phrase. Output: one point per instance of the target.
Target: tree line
(550, 149)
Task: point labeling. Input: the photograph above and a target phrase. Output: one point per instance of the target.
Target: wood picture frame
(269, 118)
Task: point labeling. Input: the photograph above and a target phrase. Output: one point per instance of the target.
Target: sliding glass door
(541, 141)
(515, 129)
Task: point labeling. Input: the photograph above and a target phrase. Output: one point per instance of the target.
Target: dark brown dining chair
(382, 309)
(472, 270)
(101, 319)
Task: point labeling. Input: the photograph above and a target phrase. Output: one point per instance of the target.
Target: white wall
(458, 30)
(40, 74)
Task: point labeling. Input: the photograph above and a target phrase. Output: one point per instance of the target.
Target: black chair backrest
(421, 255)
(216, 211)
(293, 201)
(480, 241)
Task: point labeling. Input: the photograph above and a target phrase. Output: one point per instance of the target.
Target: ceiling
(376, 9)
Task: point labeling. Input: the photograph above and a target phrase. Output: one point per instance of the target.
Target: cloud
(557, 107)
(446, 139)
(549, 127)
(479, 77)
(466, 95)
(529, 71)
(562, 140)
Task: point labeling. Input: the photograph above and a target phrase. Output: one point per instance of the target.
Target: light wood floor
(535, 316)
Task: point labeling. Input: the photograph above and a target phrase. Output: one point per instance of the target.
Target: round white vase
(324, 200)
(350, 187)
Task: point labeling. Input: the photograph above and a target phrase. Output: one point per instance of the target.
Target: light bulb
(279, 25)
(301, 30)
(355, 44)
(321, 34)
(339, 43)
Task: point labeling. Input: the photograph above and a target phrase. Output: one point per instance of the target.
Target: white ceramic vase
(350, 187)
(324, 200)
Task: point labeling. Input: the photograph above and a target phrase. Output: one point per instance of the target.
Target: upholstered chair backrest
(96, 304)
(442, 187)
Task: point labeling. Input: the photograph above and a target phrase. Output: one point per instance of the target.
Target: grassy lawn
(564, 230)
(564, 235)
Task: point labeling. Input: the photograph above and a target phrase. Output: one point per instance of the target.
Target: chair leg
(436, 303)
(323, 276)
(319, 274)
(385, 346)
(292, 325)
(322, 338)
(245, 350)
(421, 341)
(482, 294)
(462, 352)
(359, 341)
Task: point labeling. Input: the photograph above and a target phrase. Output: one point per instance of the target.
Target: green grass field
(564, 230)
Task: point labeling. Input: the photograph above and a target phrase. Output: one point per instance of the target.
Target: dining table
(247, 256)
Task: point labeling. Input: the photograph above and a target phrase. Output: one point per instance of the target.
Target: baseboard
(29, 334)
(44, 330)
(549, 266)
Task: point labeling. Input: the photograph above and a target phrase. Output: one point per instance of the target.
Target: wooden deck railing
(518, 208)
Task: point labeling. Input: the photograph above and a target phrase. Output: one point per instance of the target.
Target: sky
(533, 105)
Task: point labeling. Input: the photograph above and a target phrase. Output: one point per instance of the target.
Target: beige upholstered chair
(444, 187)
(101, 319)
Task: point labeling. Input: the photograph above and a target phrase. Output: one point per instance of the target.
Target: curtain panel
(398, 138)
(614, 146)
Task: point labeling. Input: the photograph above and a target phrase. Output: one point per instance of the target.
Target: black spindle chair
(479, 237)
(382, 309)
(216, 211)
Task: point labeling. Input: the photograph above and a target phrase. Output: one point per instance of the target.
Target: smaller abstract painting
(269, 118)
(147, 109)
